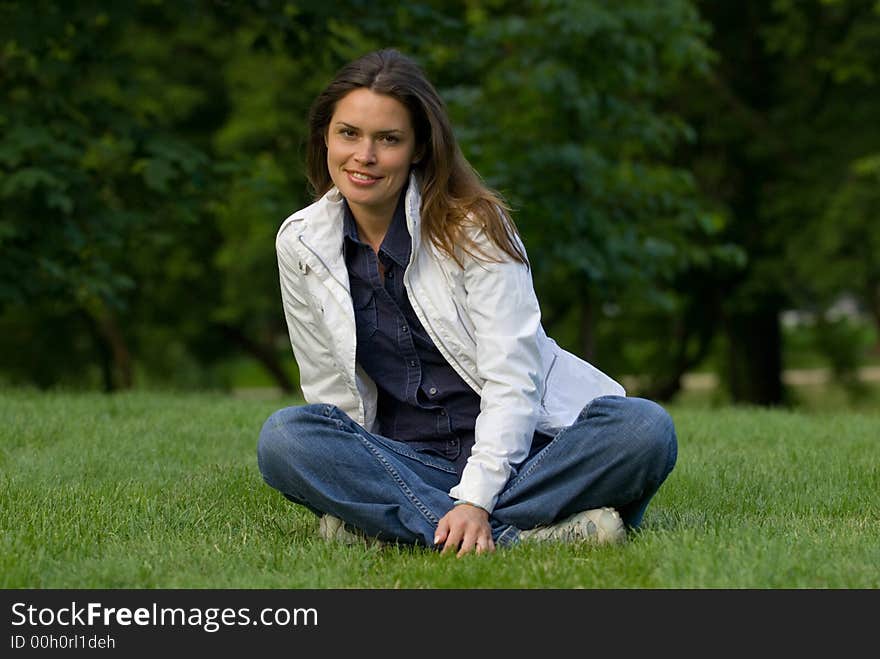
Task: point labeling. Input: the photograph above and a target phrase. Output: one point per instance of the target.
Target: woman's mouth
(360, 178)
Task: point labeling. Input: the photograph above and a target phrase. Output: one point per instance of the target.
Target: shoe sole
(597, 526)
(609, 525)
(333, 529)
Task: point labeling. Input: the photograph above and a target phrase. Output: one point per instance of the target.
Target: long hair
(453, 194)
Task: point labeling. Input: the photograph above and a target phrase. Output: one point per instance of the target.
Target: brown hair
(453, 194)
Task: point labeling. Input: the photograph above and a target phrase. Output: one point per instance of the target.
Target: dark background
(697, 183)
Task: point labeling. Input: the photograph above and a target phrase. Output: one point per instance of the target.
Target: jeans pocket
(448, 449)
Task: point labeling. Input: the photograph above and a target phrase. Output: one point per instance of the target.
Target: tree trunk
(755, 356)
(586, 331)
(116, 362)
(873, 297)
(262, 354)
(687, 328)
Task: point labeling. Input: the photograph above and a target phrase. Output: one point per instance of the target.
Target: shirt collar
(397, 242)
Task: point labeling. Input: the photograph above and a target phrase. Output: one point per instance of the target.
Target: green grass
(152, 490)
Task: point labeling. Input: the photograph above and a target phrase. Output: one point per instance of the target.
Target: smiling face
(370, 148)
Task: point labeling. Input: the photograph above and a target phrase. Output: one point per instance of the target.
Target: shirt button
(404, 329)
(390, 274)
(433, 391)
(412, 362)
(442, 412)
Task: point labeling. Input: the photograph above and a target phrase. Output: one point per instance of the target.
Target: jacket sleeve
(319, 374)
(504, 310)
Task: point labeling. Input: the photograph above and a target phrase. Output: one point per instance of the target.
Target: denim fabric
(617, 453)
(421, 397)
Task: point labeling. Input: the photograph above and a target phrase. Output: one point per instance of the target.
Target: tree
(94, 172)
(164, 141)
(561, 107)
(775, 120)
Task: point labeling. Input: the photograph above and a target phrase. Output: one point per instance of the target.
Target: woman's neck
(372, 226)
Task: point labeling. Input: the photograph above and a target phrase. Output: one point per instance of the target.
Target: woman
(439, 413)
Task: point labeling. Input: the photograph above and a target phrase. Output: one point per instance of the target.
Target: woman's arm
(322, 380)
(501, 303)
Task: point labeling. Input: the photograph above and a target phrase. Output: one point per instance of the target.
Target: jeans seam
(673, 456)
(421, 507)
(349, 425)
(412, 454)
(585, 412)
(508, 536)
(520, 478)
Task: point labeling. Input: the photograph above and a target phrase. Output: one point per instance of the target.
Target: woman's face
(370, 148)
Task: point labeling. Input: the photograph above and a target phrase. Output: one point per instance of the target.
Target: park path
(795, 377)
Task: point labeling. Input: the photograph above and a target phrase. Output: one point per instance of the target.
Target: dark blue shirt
(422, 400)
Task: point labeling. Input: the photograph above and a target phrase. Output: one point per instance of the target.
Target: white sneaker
(599, 526)
(333, 529)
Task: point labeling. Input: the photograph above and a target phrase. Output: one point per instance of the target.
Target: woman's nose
(366, 153)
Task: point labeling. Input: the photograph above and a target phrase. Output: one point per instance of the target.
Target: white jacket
(484, 319)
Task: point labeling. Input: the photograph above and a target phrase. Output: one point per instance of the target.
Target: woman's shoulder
(491, 234)
(326, 205)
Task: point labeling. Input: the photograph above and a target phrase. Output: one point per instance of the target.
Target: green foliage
(162, 145)
(105, 175)
(563, 116)
(86, 177)
(562, 106)
(784, 113)
(841, 250)
(663, 181)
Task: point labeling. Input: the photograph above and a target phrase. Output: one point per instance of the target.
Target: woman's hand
(466, 527)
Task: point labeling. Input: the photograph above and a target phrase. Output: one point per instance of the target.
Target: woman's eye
(391, 139)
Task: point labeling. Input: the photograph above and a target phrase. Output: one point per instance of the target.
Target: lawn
(161, 490)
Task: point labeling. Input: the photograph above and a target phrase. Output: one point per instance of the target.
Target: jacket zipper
(547, 378)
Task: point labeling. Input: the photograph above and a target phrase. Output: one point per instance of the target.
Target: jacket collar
(321, 225)
(319, 229)
(412, 208)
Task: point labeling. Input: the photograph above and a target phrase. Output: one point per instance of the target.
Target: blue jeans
(617, 453)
